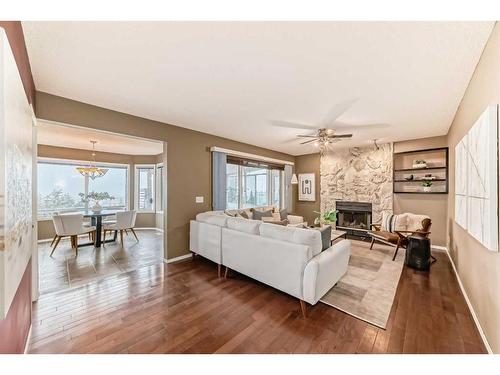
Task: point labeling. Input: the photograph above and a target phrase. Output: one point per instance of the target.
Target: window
(62, 189)
(249, 186)
(159, 187)
(145, 192)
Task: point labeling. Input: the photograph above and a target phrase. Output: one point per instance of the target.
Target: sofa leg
(193, 255)
(303, 308)
(371, 245)
(219, 270)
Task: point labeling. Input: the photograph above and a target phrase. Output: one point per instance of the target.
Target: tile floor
(63, 270)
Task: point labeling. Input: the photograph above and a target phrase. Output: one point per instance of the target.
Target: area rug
(368, 288)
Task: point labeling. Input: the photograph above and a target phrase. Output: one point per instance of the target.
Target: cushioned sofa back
(244, 225)
(212, 217)
(308, 237)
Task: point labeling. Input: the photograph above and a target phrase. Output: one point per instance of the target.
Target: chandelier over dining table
(92, 171)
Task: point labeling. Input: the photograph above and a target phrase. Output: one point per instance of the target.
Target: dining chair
(69, 225)
(124, 221)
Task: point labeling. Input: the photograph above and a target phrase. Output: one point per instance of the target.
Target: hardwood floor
(184, 308)
(65, 270)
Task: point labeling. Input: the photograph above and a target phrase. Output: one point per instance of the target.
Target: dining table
(96, 221)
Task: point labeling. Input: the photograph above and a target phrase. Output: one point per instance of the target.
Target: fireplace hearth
(354, 217)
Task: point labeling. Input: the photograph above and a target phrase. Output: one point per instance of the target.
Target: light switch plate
(199, 200)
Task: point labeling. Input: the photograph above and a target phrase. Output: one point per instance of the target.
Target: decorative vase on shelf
(96, 208)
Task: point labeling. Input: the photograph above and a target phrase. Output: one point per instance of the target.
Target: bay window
(145, 188)
(61, 188)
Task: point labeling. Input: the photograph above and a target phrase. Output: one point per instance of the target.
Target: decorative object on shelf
(427, 186)
(294, 180)
(307, 187)
(92, 170)
(96, 198)
(326, 218)
(419, 163)
(409, 178)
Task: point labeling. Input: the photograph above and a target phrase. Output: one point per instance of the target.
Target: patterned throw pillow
(392, 223)
(258, 215)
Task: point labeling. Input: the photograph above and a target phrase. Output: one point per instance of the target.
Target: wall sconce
(294, 181)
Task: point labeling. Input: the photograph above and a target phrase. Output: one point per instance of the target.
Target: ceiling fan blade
(350, 127)
(307, 136)
(340, 136)
(292, 125)
(337, 111)
(309, 141)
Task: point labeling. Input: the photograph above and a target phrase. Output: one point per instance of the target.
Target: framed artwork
(307, 187)
(476, 180)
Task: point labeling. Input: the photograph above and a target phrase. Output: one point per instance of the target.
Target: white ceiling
(64, 136)
(233, 79)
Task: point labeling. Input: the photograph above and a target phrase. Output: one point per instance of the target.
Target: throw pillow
(244, 214)
(258, 215)
(230, 213)
(326, 237)
(392, 223)
(284, 214)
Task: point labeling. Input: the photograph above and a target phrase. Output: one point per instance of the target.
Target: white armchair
(124, 220)
(69, 226)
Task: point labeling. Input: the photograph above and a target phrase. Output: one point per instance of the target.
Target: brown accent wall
(479, 268)
(433, 205)
(14, 31)
(144, 220)
(14, 328)
(188, 154)
(307, 164)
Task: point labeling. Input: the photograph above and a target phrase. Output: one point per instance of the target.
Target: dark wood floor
(185, 308)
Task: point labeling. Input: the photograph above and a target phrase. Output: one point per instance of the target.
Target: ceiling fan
(326, 133)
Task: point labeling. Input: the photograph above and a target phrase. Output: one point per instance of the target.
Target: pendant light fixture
(92, 170)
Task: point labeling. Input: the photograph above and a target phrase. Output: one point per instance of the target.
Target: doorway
(101, 177)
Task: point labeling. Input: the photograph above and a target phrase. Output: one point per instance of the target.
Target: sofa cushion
(258, 215)
(219, 220)
(308, 237)
(244, 225)
(202, 215)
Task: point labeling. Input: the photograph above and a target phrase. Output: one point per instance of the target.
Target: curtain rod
(251, 156)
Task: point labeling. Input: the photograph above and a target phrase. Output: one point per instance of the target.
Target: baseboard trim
(439, 248)
(469, 304)
(28, 339)
(176, 259)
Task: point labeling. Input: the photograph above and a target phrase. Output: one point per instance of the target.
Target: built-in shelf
(422, 180)
(418, 169)
(437, 160)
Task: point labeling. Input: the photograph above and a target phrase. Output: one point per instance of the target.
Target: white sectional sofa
(287, 258)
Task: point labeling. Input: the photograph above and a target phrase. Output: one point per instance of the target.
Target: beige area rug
(367, 290)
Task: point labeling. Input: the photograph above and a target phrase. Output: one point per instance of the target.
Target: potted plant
(419, 163)
(427, 186)
(96, 197)
(326, 218)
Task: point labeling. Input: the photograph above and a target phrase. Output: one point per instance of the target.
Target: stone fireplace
(358, 174)
(354, 217)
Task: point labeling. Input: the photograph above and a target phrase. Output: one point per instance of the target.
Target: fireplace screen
(355, 220)
(355, 217)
